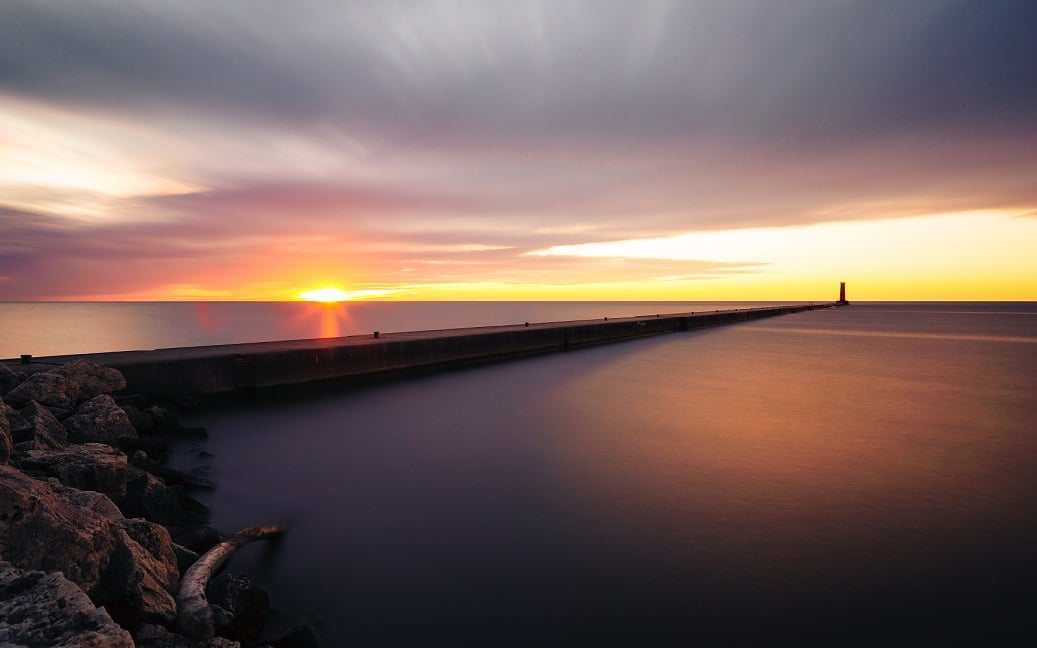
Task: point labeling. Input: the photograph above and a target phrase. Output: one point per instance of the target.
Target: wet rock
(41, 529)
(142, 420)
(91, 379)
(45, 431)
(39, 609)
(99, 420)
(9, 379)
(174, 477)
(304, 635)
(87, 466)
(155, 636)
(155, 447)
(139, 458)
(184, 558)
(199, 538)
(6, 446)
(142, 578)
(46, 389)
(247, 605)
(149, 497)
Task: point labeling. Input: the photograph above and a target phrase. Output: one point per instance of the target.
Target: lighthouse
(842, 295)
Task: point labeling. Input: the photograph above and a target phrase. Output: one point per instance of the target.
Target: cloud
(810, 70)
(450, 137)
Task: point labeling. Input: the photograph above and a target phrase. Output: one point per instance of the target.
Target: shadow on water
(755, 483)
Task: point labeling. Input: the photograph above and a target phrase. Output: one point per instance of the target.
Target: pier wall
(243, 368)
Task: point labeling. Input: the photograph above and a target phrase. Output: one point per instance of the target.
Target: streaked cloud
(226, 149)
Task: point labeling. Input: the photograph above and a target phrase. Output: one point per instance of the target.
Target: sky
(480, 150)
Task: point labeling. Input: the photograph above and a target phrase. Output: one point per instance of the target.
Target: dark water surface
(858, 474)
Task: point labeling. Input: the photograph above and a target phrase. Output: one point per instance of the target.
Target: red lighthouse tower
(842, 295)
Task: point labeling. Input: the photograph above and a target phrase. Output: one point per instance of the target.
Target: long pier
(244, 368)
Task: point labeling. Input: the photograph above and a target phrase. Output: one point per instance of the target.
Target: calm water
(862, 474)
(43, 329)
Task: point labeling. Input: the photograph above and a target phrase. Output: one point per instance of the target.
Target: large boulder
(91, 379)
(45, 431)
(87, 467)
(6, 446)
(149, 497)
(41, 529)
(9, 379)
(99, 420)
(50, 389)
(39, 609)
(141, 580)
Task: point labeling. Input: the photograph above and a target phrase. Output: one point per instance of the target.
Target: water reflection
(328, 319)
(740, 484)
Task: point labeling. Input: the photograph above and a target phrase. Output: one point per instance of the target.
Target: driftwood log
(194, 615)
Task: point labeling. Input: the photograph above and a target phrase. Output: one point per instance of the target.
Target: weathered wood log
(194, 615)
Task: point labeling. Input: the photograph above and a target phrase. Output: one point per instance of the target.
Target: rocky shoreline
(96, 532)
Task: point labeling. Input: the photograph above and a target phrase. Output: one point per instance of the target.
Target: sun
(326, 295)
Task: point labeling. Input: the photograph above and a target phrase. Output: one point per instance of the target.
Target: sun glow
(326, 295)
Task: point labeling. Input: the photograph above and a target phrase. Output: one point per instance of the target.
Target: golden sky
(467, 150)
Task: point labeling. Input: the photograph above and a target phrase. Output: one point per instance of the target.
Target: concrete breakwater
(243, 368)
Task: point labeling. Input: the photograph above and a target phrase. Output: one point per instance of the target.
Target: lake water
(864, 474)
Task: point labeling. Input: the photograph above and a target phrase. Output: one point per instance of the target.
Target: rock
(87, 466)
(142, 577)
(157, 447)
(39, 609)
(99, 503)
(155, 636)
(184, 557)
(199, 538)
(99, 420)
(45, 431)
(41, 529)
(174, 477)
(152, 446)
(149, 497)
(304, 635)
(248, 606)
(46, 389)
(9, 378)
(139, 458)
(20, 428)
(6, 446)
(143, 420)
(154, 538)
(91, 379)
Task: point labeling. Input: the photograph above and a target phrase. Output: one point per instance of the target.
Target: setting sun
(324, 295)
